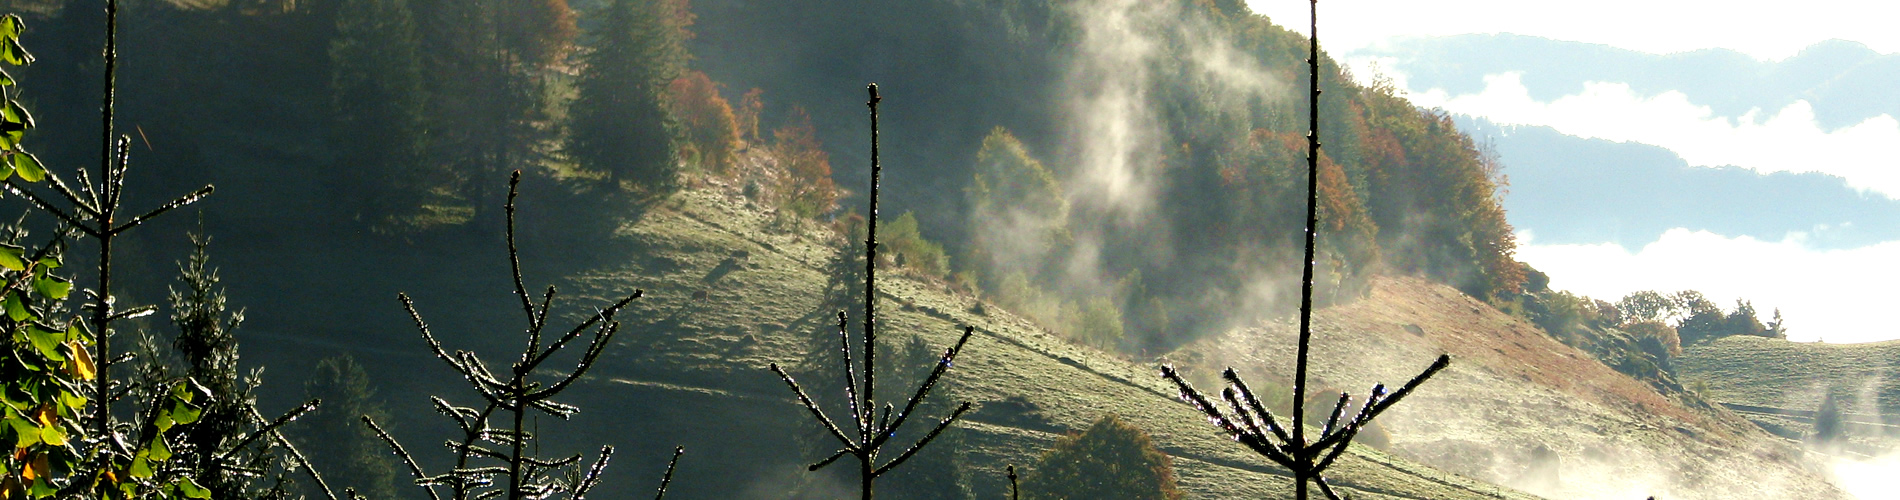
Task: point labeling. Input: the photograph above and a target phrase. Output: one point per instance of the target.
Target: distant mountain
(1845, 81)
(1567, 189)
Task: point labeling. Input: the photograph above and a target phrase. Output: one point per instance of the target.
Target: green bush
(1112, 459)
(910, 250)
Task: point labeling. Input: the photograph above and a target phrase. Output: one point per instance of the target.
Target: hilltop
(1519, 408)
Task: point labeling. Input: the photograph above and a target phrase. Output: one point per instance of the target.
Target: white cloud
(1769, 31)
(1841, 296)
(1866, 154)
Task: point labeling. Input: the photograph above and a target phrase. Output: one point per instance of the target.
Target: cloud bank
(1788, 140)
(1824, 294)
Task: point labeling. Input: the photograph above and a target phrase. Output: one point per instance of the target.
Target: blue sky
(1831, 291)
(1761, 29)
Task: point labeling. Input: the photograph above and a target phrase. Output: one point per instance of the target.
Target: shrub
(1112, 459)
(910, 250)
(1657, 339)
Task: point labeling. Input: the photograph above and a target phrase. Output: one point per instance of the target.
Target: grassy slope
(1514, 400)
(695, 373)
(1793, 375)
(1784, 375)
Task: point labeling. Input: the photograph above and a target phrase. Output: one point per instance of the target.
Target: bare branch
(668, 479)
(410, 461)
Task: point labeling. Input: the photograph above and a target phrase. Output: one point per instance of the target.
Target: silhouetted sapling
(1247, 420)
(512, 394)
(873, 429)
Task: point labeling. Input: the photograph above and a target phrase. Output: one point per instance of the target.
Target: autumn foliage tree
(709, 129)
(1436, 197)
(807, 189)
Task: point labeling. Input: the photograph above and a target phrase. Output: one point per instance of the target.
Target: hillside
(694, 373)
(1519, 408)
(1779, 384)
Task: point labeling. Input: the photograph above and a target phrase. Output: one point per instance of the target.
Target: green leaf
(47, 342)
(53, 435)
(42, 489)
(158, 450)
(164, 421)
(13, 53)
(51, 261)
(27, 433)
(6, 80)
(16, 307)
(11, 26)
(28, 166)
(13, 257)
(141, 468)
(192, 489)
(15, 117)
(186, 413)
(53, 287)
(72, 401)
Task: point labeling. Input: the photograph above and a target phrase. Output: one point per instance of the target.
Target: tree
(68, 440)
(1250, 423)
(223, 446)
(336, 438)
(807, 189)
(539, 32)
(1742, 321)
(873, 432)
(1112, 459)
(487, 451)
(911, 250)
(1657, 339)
(1018, 212)
(377, 88)
(1699, 319)
(711, 132)
(747, 115)
(1646, 305)
(487, 114)
(619, 124)
(1100, 324)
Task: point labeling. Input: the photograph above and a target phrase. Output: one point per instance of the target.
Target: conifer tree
(618, 122)
(334, 437)
(233, 456)
(871, 428)
(486, 115)
(378, 96)
(495, 452)
(68, 440)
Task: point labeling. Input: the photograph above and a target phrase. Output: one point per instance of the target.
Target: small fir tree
(872, 429)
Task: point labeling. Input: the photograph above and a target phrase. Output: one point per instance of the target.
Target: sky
(1769, 31)
(1832, 294)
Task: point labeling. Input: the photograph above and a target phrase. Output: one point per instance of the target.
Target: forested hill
(1125, 176)
(1171, 134)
